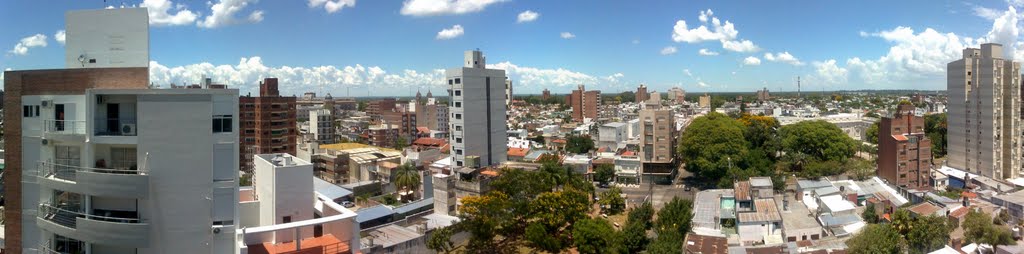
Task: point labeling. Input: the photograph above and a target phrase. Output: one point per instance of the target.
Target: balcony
(64, 127)
(128, 230)
(105, 182)
(115, 127)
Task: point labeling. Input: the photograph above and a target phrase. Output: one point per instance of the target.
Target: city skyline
(359, 48)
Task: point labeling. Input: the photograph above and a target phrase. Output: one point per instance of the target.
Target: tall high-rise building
(676, 94)
(763, 95)
(97, 162)
(641, 94)
(657, 143)
(267, 124)
(546, 94)
(904, 150)
(585, 104)
(704, 101)
(432, 115)
(984, 113)
(321, 125)
(479, 131)
(508, 93)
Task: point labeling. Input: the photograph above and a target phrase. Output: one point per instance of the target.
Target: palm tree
(407, 177)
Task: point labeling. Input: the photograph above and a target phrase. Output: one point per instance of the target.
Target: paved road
(661, 193)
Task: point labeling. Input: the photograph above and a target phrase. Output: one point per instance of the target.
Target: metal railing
(69, 172)
(66, 127)
(68, 218)
(122, 126)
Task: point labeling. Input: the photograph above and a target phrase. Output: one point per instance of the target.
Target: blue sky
(396, 47)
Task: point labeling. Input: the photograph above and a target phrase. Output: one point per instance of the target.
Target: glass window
(222, 123)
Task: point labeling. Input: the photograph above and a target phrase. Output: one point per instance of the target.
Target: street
(662, 194)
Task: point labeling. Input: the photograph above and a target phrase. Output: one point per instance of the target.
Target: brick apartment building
(267, 124)
(904, 151)
(585, 104)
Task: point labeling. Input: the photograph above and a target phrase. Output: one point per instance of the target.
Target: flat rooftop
(706, 206)
(313, 245)
(797, 216)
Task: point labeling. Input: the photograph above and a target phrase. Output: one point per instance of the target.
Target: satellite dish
(81, 59)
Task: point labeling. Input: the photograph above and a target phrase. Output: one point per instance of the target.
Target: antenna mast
(798, 87)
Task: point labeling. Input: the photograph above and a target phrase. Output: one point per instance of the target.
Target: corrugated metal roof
(372, 213)
(329, 189)
(764, 210)
(742, 190)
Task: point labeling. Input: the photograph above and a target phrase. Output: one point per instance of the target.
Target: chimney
(956, 243)
(785, 203)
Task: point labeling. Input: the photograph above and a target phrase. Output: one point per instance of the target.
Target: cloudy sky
(393, 47)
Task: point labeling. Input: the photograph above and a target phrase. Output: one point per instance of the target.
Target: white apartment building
(107, 38)
(283, 211)
(508, 93)
(477, 111)
(984, 113)
(321, 125)
(611, 135)
(130, 171)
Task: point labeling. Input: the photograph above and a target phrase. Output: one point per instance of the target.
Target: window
(458, 81)
(451, 81)
(458, 151)
(458, 92)
(458, 140)
(221, 123)
(458, 128)
(286, 219)
(458, 104)
(458, 116)
(29, 111)
(458, 163)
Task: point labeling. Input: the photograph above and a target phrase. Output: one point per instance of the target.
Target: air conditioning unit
(128, 129)
(216, 230)
(47, 104)
(45, 142)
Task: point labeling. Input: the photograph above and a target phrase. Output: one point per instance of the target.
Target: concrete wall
(483, 127)
(107, 38)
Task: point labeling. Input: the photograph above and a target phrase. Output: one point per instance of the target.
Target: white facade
(480, 130)
(612, 134)
(283, 206)
(131, 171)
(107, 38)
(321, 125)
(984, 113)
(508, 93)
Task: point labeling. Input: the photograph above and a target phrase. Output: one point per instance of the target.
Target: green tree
(710, 142)
(935, 128)
(761, 132)
(876, 238)
(400, 143)
(978, 228)
(821, 140)
(362, 106)
(871, 134)
(666, 243)
(869, 214)
(612, 202)
(486, 217)
(578, 144)
(634, 237)
(538, 237)
(441, 240)
(595, 236)
(407, 177)
(928, 233)
(675, 217)
(604, 173)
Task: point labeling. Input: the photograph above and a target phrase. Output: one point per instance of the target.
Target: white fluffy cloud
(537, 77)
(706, 52)
(222, 13)
(669, 50)
(567, 35)
(294, 80)
(160, 13)
(830, 73)
(444, 7)
(246, 74)
(783, 57)
(450, 33)
(527, 16)
(723, 32)
(751, 60)
(37, 40)
(59, 36)
(332, 6)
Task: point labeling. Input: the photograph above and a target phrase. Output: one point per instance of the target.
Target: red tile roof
(959, 212)
(742, 190)
(432, 142)
(559, 141)
(969, 195)
(628, 153)
(422, 129)
(518, 152)
(899, 137)
(323, 244)
(706, 244)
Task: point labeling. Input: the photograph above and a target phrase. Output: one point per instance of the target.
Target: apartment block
(704, 101)
(405, 119)
(677, 95)
(763, 95)
(431, 114)
(321, 125)
(904, 150)
(585, 104)
(984, 129)
(267, 123)
(345, 163)
(508, 93)
(546, 94)
(477, 112)
(657, 143)
(641, 94)
(309, 102)
(283, 213)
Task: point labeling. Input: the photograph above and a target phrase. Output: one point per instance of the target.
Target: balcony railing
(115, 126)
(69, 172)
(66, 127)
(69, 218)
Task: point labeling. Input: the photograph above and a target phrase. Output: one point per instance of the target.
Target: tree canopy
(935, 128)
(612, 202)
(578, 144)
(595, 236)
(710, 142)
(978, 228)
(876, 238)
(821, 140)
